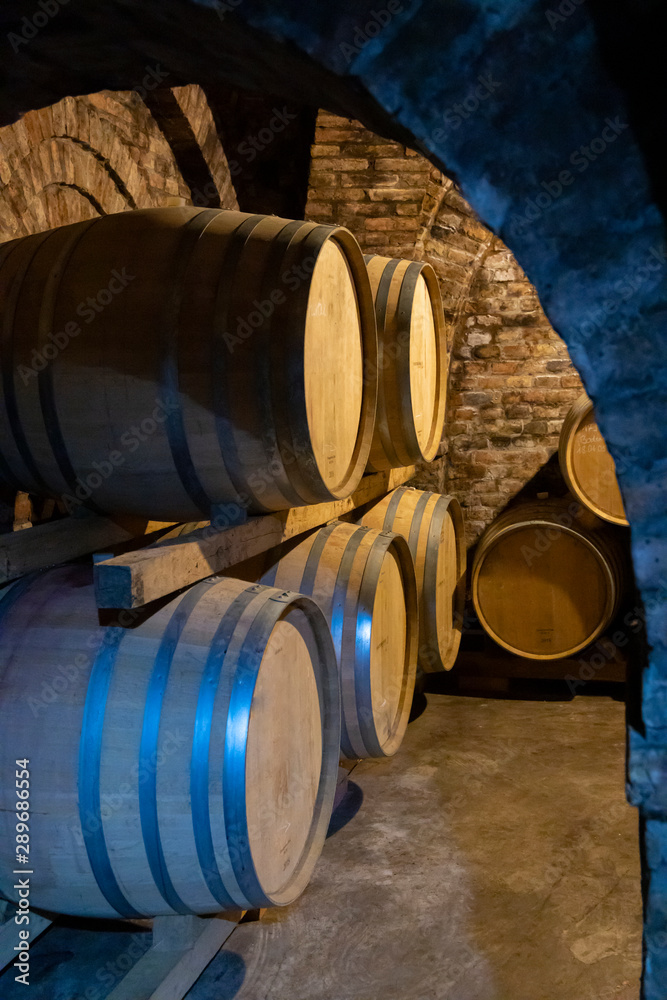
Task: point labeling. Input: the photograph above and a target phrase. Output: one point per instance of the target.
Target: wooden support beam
(136, 579)
(9, 934)
(50, 544)
(182, 948)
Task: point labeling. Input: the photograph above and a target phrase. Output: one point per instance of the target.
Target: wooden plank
(50, 544)
(182, 948)
(9, 936)
(137, 578)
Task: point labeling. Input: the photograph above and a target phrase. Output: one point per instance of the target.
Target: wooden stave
(279, 567)
(237, 885)
(577, 413)
(395, 442)
(597, 539)
(283, 480)
(432, 659)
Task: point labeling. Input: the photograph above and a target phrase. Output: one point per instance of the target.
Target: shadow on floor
(519, 689)
(347, 809)
(222, 979)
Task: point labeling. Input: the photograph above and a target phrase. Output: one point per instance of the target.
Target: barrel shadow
(347, 809)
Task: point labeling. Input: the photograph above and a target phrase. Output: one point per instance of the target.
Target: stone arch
(100, 154)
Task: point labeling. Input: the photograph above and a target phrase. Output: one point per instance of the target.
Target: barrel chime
(161, 363)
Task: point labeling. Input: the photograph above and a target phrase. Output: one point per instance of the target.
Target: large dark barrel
(587, 466)
(185, 765)
(413, 362)
(545, 586)
(163, 361)
(364, 581)
(433, 527)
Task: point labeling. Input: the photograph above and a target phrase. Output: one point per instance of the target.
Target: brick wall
(95, 155)
(511, 385)
(511, 380)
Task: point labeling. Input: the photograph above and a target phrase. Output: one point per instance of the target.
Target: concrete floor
(494, 858)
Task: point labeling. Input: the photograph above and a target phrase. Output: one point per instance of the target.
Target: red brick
(406, 224)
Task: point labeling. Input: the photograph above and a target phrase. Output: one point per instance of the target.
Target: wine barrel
(165, 361)
(185, 765)
(587, 466)
(364, 582)
(433, 527)
(543, 585)
(412, 362)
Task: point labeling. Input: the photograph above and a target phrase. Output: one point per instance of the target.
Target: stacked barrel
(162, 363)
(548, 577)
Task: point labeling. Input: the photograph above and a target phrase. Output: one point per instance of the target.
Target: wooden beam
(50, 544)
(9, 935)
(182, 948)
(136, 579)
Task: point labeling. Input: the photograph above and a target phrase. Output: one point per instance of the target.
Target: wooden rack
(137, 578)
(161, 568)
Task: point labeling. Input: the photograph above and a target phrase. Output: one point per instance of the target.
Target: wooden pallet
(138, 578)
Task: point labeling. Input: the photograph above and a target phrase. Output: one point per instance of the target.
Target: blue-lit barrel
(364, 582)
(184, 764)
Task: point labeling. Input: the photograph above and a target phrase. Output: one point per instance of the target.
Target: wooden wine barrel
(433, 528)
(185, 765)
(412, 362)
(161, 362)
(364, 582)
(543, 585)
(587, 466)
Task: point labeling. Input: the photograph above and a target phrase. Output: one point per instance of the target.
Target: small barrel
(545, 586)
(187, 764)
(433, 528)
(587, 466)
(165, 361)
(412, 362)
(364, 581)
